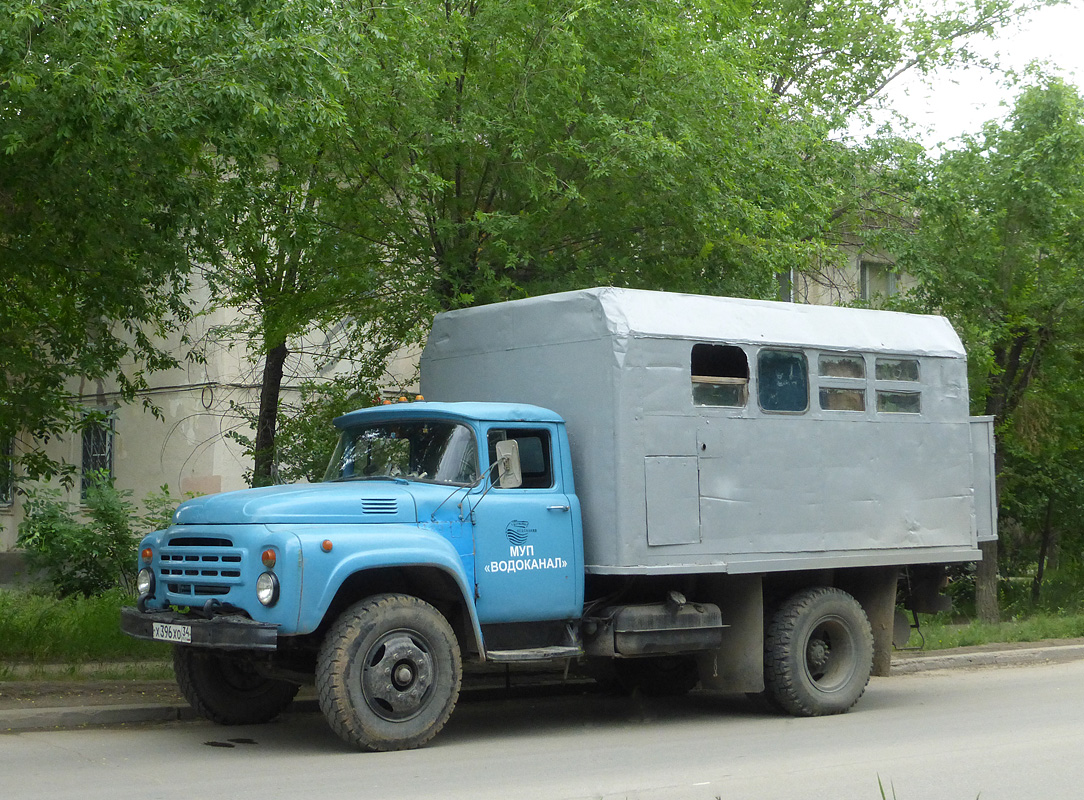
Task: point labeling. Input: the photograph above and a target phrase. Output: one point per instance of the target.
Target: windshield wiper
(395, 478)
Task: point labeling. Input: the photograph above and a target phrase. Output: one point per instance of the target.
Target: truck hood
(348, 502)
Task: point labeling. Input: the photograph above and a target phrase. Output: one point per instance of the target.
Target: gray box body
(671, 486)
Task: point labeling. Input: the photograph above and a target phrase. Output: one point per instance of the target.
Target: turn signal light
(268, 558)
(326, 545)
(146, 554)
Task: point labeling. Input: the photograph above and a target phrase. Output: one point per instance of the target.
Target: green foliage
(159, 507)
(833, 58)
(999, 249)
(45, 629)
(306, 437)
(91, 553)
(544, 147)
(1062, 593)
(98, 186)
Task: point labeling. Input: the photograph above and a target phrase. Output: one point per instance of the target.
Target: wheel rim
(397, 678)
(830, 660)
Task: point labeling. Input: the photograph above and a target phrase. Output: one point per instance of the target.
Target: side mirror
(510, 473)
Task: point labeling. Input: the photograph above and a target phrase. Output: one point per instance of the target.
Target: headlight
(267, 588)
(144, 583)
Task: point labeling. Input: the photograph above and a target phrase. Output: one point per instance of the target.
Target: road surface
(1008, 733)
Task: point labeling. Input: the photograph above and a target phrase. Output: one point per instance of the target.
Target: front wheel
(818, 653)
(389, 673)
(227, 689)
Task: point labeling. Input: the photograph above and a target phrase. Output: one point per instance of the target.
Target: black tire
(657, 676)
(228, 690)
(389, 673)
(818, 653)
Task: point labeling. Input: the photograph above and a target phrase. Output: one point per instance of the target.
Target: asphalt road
(1014, 732)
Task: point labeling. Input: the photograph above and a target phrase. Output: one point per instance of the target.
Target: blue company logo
(517, 531)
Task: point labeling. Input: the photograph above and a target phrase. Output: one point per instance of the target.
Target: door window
(534, 455)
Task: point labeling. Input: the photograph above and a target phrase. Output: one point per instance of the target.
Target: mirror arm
(467, 489)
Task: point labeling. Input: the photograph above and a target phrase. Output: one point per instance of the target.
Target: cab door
(524, 539)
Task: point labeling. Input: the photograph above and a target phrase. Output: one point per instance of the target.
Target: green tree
(471, 152)
(96, 186)
(1000, 250)
(516, 148)
(1042, 482)
(835, 58)
(489, 150)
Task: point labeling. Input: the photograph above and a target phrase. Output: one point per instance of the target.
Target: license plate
(171, 633)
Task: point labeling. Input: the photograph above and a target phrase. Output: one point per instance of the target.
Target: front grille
(200, 567)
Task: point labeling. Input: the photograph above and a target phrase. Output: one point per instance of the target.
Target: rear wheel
(389, 673)
(227, 689)
(818, 653)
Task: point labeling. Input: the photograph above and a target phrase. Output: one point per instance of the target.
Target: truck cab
(416, 510)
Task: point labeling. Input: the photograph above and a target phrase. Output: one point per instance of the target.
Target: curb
(36, 719)
(71, 717)
(1055, 654)
(74, 717)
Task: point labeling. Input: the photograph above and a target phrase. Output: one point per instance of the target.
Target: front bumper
(225, 632)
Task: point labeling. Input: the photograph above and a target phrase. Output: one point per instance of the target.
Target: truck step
(554, 653)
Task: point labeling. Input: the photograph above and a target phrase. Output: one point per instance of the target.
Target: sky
(953, 102)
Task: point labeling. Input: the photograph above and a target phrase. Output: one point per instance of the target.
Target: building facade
(187, 447)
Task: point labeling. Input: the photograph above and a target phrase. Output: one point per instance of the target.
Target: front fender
(357, 548)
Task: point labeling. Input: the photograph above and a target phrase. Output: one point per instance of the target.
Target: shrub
(82, 557)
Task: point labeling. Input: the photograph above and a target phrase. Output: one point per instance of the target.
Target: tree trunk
(986, 602)
(263, 470)
(1044, 550)
(986, 584)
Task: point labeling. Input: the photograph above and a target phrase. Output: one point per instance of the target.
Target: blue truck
(671, 491)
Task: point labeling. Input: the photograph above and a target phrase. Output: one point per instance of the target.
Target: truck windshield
(432, 451)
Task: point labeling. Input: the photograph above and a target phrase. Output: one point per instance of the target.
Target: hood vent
(380, 505)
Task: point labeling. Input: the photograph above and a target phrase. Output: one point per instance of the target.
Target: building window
(782, 380)
(720, 375)
(877, 279)
(97, 452)
(7, 472)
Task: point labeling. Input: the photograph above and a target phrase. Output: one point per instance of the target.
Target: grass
(37, 628)
(943, 633)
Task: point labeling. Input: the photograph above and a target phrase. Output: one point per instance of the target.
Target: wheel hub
(818, 655)
(398, 675)
(403, 677)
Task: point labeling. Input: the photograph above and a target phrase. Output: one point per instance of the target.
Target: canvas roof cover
(636, 312)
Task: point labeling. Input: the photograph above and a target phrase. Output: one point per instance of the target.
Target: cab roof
(483, 412)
